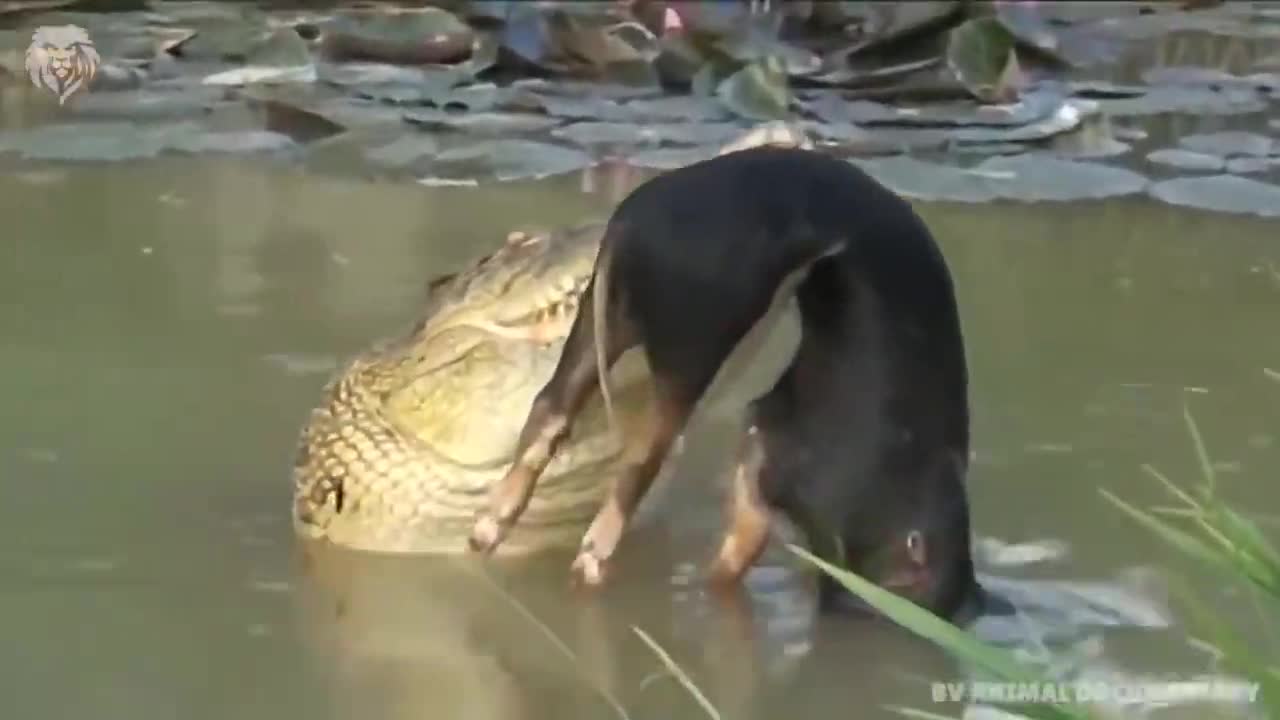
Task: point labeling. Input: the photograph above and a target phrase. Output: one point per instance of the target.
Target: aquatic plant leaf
(527, 36)
(928, 181)
(1185, 99)
(148, 104)
(581, 108)
(672, 158)
(354, 112)
(758, 91)
(239, 142)
(754, 46)
(834, 72)
(1078, 45)
(1028, 177)
(979, 52)
(1092, 140)
(282, 48)
(366, 74)
(1249, 165)
(1221, 193)
(1037, 176)
(282, 57)
(1230, 143)
(884, 24)
(1195, 76)
(221, 38)
(507, 160)
(1186, 159)
(111, 141)
(606, 133)
(1031, 107)
(583, 90)
(403, 151)
(481, 123)
(688, 108)
(421, 36)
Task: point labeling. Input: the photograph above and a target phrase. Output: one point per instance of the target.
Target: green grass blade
(959, 643)
(1182, 540)
(1273, 374)
(678, 673)
(1202, 453)
(924, 623)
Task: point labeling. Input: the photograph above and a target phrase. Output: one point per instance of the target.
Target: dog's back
(698, 253)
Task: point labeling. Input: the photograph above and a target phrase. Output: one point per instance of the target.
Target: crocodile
(408, 437)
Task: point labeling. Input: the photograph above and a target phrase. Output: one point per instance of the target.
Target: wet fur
(864, 439)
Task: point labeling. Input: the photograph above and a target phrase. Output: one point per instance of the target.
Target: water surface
(167, 326)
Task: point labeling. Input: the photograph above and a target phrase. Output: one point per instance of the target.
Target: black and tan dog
(863, 441)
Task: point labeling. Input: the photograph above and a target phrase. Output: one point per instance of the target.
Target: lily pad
(237, 142)
(672, 158)
(364, 74)
(581, 108)
(758, 91)
(422, 36)
(507, 160)
(885, 24)
(349, 112)
(223, 38)
(1187, 159)
(583, 90)
(1077, 45)
(1221, 193)
(1033, 106)
(604, 133)
(1036, 176)
(686, 108)
(481, 123)
(1093, 139)
(1249, 165)
(1185, 99)
(148, 104)
(928, 181)
(1230, 143)
(102, 142)
(1027, 177)
(403, 151)
(283, 57)
(1209, 77)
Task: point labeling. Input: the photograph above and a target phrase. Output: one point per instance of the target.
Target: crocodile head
(463, 379)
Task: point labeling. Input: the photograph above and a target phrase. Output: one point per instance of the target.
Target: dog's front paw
(486, 534)
(588, 570)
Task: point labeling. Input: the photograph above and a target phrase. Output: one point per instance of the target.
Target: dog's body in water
(862, 442)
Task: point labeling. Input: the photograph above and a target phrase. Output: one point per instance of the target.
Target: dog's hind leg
(749, 517)
(643, 454)
(549, 422)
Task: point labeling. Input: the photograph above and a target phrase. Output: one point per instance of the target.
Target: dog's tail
(599, 309)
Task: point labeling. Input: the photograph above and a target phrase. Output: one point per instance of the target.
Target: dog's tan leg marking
(549, 422)
(643, 455)
(749, 517)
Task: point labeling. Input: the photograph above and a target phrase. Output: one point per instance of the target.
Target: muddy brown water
(166, 326)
